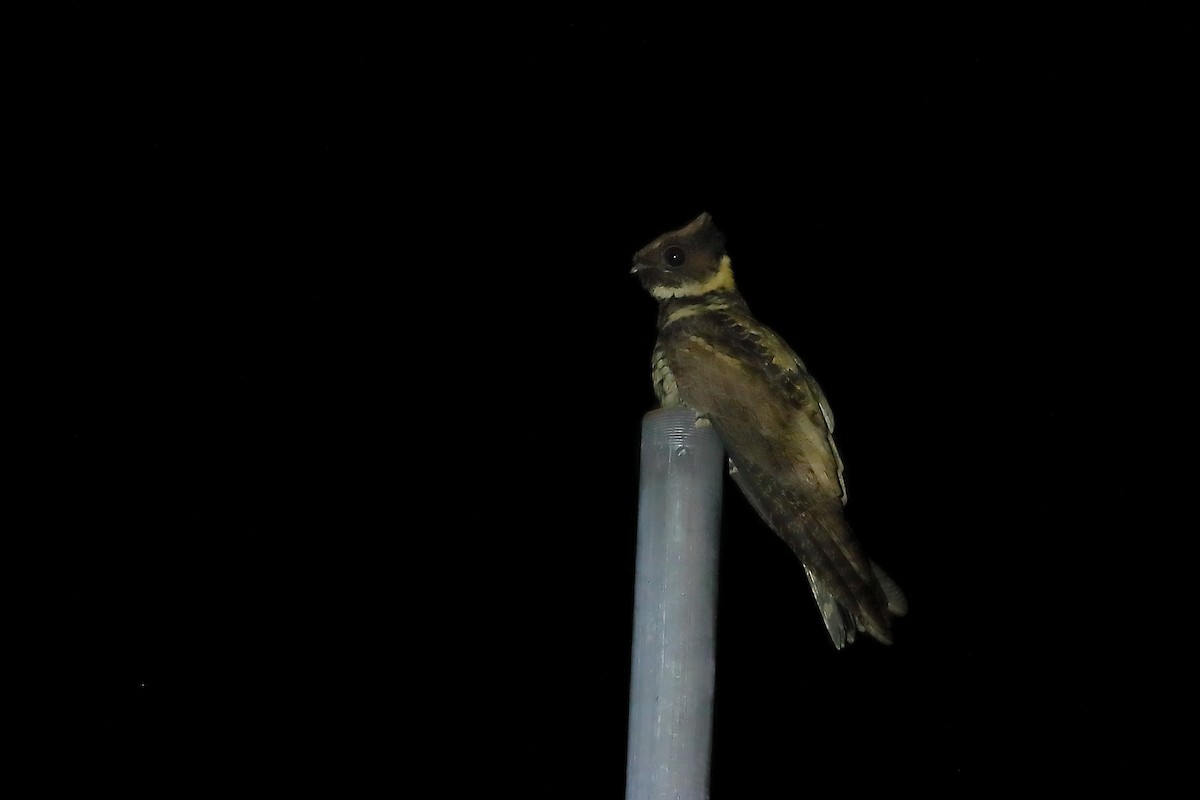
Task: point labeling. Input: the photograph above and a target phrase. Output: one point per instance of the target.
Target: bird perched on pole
(713, 357)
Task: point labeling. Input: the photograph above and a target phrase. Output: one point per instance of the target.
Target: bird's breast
(665, 386)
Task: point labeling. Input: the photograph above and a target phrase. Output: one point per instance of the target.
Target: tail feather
(897, 603)
(843, 623)
(852, 593)
(838, 621)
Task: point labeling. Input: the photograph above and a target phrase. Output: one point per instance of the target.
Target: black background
(349, 372)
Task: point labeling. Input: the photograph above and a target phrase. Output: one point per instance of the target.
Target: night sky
(352, 374)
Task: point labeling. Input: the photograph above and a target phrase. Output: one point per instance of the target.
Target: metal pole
(675, 609)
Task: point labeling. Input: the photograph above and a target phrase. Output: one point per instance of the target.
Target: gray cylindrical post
(675, 609)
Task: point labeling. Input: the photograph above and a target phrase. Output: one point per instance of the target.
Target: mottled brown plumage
(713, 357)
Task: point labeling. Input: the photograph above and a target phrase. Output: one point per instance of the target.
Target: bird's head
(689, 262)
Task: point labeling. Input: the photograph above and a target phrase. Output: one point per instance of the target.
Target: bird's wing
(757, 392)
(775, 425)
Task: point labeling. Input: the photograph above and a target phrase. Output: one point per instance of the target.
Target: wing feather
(776, 427)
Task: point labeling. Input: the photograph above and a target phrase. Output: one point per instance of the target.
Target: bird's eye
(674, 256)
